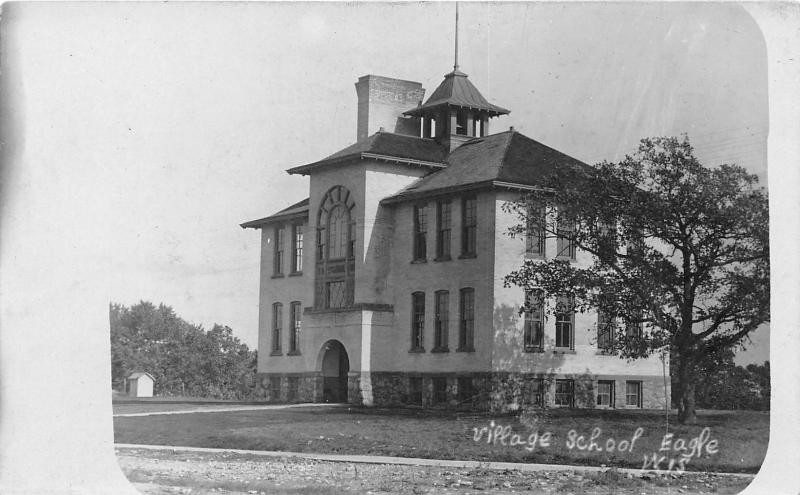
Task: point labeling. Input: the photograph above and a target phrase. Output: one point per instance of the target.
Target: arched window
(334, 283)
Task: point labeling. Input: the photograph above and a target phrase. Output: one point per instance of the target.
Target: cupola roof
(456, 90)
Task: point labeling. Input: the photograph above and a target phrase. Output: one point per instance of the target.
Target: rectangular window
(607, 241)
(605, 393)
(605, 329)
(565, 241)
(534, 392)
(466, 392)
(440, 390)
(633, 327)
(277, 319)
(275, 387)
(636, 245)
(293, 386)
(534, 317)
(466, 333)
(320, 245)
(295, 322)
(280, 233)
(633, 394)
(415, 390)
(417, 321)
(443, 228)
(469, 226)
(535, 235)
(565, 393)
(565, 322)
(420, 233)
(442, 320)
(297, 239)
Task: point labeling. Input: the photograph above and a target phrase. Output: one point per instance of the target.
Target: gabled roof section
(297, 210)
(508, 159)
(385, 146)
(457, 90)
(139, 374)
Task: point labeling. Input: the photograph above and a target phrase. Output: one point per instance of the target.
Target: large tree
(680, 251)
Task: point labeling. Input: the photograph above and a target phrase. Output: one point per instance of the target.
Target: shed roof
(297, 210)
(457, 90)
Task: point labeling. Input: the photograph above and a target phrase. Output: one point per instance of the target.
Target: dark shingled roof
(396, 147)
(457, 90)
(299, 209)
(505, 159)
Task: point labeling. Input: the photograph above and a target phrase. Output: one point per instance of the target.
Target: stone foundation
(289, 387)
(501, 392)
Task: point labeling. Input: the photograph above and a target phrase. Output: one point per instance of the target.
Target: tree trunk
(686, 388)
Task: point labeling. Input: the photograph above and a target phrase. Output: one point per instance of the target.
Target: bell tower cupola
(456, 111)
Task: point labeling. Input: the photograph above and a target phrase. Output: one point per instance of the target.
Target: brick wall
(381, 103)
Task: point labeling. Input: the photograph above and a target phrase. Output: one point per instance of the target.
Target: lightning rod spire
(455, 66)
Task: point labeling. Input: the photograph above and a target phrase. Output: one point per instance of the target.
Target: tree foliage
(678, 248)
(183, 358)
(728, 386)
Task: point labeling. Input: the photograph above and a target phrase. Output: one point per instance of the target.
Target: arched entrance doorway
(335, 366)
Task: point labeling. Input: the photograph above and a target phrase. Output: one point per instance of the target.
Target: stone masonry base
(495, 391)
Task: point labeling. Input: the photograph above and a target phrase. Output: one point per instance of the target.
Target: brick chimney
(381, 103)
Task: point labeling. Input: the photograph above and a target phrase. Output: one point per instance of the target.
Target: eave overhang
(445, 191)
(274, 219)
(306, 169)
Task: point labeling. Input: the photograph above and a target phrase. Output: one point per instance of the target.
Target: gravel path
(170, 472)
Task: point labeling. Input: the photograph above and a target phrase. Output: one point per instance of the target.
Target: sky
(197, 109)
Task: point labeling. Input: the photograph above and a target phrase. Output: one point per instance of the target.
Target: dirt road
(167, 472)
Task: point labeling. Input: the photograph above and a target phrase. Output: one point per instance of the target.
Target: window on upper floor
(295, 323)
(634, 325)
(334, 281)
(466, 331)
(565, 322)
(636, 245)
(442, 320)
(565, 242)
(420, 232)
(607, 241)
(277, 266)
(443, 229)
(606, 328)
(297, 248)
(417, 322)
(535, 232)
(533, 334)
(338, 232)
(469, 226)
(277, 322)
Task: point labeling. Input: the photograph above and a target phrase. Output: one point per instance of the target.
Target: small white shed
(140, 384)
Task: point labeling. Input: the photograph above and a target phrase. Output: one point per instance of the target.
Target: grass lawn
(161, 404)
(741, 436)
